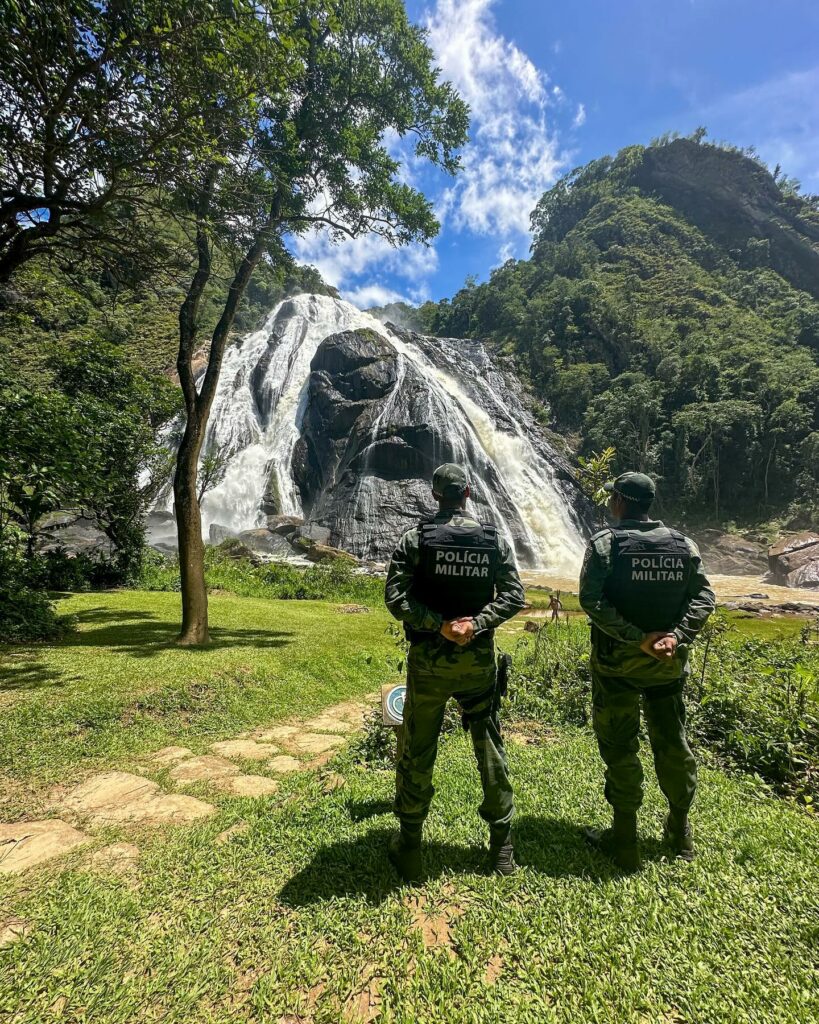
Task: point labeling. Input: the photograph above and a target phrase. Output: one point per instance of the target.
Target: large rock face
(794, 561)
(730, 555)
(745, 205)
(373, 433)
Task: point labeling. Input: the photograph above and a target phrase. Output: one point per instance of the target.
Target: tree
(594, 471)
(306, 96)
(712, 426)
(100, 112)
(84, 441)
(629, 413)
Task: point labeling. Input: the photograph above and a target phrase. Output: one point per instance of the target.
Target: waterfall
(259, 408)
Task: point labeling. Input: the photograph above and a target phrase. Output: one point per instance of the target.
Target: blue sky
(554, 85)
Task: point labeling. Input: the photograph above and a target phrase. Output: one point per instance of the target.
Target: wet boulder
(372, 435)
(794, 561)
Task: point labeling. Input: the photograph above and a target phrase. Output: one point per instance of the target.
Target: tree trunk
(198, 405)
(189, 531)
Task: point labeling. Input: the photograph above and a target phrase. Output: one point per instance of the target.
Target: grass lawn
(119, 686)
(298, 918)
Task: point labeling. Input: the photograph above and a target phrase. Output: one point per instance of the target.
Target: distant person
(451, 581)
(644, 589)
(555, 606)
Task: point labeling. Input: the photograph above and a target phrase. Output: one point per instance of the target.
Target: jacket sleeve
(509, 595)
(701, 601)
(596, 568)
(400, 577)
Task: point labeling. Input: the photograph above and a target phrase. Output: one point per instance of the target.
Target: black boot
(501, 851)
(404, 852)
(502, 859)
(619, 842)
(679, 835)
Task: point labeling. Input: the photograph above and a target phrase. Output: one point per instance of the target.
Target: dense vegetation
(230, 568)
(669, 308)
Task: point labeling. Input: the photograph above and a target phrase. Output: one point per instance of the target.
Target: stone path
(123, 798)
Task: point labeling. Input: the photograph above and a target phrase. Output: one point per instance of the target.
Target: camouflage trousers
(436, 671)
(616, 719)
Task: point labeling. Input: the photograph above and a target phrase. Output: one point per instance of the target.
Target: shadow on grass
(359, 867)
(28, 675)
(361, 810)
(142, 635)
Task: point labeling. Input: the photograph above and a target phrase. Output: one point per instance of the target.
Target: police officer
(451, 581)
(644, 589)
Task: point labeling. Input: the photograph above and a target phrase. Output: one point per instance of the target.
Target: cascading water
(448, 390)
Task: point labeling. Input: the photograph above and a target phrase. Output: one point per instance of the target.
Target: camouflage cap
(633, 487)
(449, 481)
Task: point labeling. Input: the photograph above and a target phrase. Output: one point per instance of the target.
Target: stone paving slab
(278, 733)
(248, 785)
(314, 742)
(284, 763)
(248, 750)
(28, 843)
(204, 768)
(170, 755)
(120, 797)
(326, 723)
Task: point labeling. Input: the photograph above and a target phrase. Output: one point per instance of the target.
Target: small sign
(393, 696)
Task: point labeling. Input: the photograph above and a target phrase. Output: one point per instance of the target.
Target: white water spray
(260, 402)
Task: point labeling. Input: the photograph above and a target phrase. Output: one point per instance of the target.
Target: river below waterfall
(752, 589)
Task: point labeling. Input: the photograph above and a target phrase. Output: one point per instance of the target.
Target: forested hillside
(669, 308)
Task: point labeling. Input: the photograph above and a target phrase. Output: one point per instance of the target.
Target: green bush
(27, 615)
(59, 570)
(333, 580)
(158, 572)
(551, 679)
(755, 702)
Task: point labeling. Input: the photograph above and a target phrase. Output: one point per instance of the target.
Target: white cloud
(339, 262)
(513, 156)
(779, 116)
(343, 263)
(580, 116)
(506, 252)
(374, 295)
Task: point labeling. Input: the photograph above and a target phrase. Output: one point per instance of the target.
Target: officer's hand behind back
(659, 645)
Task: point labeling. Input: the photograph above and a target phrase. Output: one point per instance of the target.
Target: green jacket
(509, 596)
(615, 641)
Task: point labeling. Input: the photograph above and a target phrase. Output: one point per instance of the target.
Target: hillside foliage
(654, 317)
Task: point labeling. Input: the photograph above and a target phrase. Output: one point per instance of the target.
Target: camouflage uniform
(622, 675)
(438, 669)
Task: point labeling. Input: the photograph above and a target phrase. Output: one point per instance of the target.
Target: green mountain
(670, 308)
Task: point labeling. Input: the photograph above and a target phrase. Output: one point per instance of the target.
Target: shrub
(551, 679)
(59, 570)
(756, 703)
(333, 580)
(27, 615)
